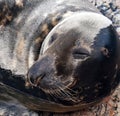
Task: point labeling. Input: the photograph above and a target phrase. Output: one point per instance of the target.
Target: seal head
(78, 61)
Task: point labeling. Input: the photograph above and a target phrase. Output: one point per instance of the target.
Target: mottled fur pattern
(66, 49)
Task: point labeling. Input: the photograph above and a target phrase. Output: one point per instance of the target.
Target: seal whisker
(59, 92)
(56, 93)
(52, 95)
(67, 95)
(71, 90)
(62, 90)
(67, 89)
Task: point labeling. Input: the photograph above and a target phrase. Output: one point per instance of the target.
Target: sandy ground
(110, 8)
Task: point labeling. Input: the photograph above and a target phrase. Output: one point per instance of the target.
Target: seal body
(69, 51)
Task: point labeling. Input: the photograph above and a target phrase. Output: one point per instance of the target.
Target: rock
(116, 20)
(15, 110)
(118, 30)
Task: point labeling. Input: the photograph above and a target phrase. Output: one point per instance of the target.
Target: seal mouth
(61, 91)
(57, 86)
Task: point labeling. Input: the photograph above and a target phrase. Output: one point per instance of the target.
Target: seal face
(69, 52)
(78, 59)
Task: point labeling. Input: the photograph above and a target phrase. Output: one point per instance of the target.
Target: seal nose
(33, 79)
(40, 71)
(36, 73)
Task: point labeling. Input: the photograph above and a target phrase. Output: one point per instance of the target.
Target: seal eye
(80, 53)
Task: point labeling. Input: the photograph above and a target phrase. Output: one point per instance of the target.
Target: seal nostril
(30, 80)
(38, 79)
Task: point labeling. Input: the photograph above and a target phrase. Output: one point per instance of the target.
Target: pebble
(118, 31)
(3, 111)
(116, 20)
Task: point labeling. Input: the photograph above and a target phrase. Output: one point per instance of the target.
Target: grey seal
(68, 52)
